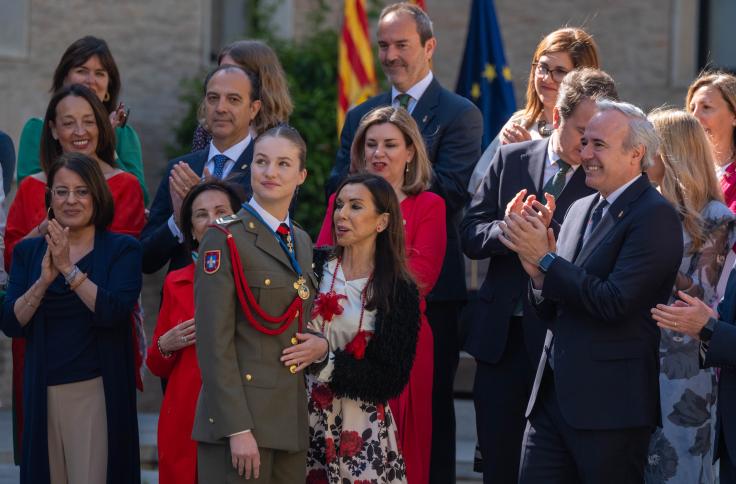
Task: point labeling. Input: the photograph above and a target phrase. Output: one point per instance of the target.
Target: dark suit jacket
(159, 244)
(513, 168)
(722, 352)
(452, 128)
(597, 302)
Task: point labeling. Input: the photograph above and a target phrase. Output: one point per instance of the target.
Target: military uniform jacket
(244, 385)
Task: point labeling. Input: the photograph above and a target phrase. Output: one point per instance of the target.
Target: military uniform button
(248, 377)
(267, 282)
(292, 369)
(294, 340)
(251, 225)
(212, 420)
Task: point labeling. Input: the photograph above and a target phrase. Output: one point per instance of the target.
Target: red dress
(177, 452)
(426, 241)
(26, 212)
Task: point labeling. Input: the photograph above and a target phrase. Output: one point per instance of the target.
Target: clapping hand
(529, 238)
(688, 315)
(57, 239)
(181, 179)
(514, 133)
(534, 208)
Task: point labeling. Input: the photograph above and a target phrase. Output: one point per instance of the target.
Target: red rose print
(350, 443)
(317, 476)
(321, 396)
(330, 450)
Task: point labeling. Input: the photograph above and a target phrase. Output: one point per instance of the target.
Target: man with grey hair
(595, 399)
(504, 334)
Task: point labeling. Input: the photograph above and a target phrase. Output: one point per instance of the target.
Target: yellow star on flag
(507, 73)
(475, 90)
(490, 72)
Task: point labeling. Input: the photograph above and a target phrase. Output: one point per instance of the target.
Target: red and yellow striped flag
(356, 74)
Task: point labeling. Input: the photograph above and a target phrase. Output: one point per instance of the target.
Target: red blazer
(177, 452)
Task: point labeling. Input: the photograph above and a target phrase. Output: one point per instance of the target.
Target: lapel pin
(621, 214)
(244, 167)
(424, 119)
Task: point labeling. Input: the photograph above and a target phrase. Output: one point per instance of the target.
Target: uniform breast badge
(211, 261)
(301, 288)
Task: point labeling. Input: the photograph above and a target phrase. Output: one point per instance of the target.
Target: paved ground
(147, 424)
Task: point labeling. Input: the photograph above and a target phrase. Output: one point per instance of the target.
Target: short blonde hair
(419, 175)
(689, 181)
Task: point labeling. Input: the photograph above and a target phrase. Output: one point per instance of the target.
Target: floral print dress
(681, 451)
(351, 441)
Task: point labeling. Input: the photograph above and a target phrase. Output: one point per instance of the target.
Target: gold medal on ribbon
(301, 288)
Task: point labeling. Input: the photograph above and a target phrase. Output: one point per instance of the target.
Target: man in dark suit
(452, 128)
(231, 101)
(595, 399)
(505, 336)
(717, 335)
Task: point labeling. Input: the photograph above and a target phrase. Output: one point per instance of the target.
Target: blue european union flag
(485, 78)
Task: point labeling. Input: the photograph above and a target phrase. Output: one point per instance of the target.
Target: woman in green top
(88, 61)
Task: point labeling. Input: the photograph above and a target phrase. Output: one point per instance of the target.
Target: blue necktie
(219, 161)
(595, 218)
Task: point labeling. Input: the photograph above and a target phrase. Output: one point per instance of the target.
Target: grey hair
(641, 130)
(424, 23)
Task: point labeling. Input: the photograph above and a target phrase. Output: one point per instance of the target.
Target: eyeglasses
(62, 193)
(543, 70)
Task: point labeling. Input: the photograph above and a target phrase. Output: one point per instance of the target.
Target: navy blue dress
(115, 267)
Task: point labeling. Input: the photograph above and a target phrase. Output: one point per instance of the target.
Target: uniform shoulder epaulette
(226, 220)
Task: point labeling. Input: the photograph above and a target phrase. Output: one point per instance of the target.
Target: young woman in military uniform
(253, 290)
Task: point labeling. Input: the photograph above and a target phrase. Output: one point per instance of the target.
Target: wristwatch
(546, 261)
(706, 332)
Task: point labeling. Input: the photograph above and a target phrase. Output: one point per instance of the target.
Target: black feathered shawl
(389, 356)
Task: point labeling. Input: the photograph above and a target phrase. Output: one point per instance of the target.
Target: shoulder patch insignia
(211, 261)
(227, 219)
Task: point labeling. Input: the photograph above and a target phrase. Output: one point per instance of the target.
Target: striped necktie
(404, 99)
(556, 184)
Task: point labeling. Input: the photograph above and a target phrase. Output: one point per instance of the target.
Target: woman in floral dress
(368, 309)
(682, 449)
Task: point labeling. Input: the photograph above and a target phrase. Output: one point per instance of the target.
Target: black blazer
(159, 244)
(721, 352)
(597, 302)
(452, 128)
(513, 168)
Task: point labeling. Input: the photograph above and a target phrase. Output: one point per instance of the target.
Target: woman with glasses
(557, 54)
(70, 297)
(75, 121)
